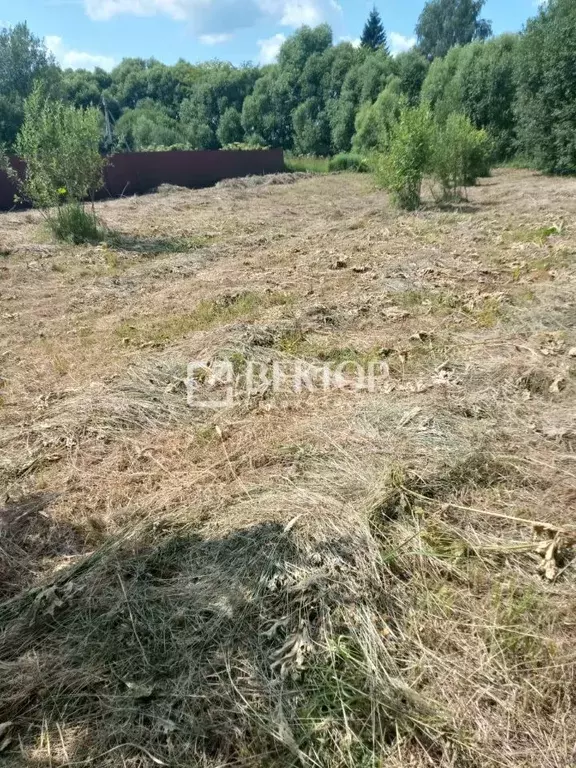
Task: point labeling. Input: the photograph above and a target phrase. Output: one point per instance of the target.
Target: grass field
(324, 579)
(307, 164)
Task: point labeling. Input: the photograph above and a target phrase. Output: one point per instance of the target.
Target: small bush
(348, 162)
(61, 148)
(73, 223)
(461, 155)
(401, 170)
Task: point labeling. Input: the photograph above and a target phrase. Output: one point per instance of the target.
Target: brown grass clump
(324, 579)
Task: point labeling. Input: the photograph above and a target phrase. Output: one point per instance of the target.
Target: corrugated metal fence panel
(140, 172)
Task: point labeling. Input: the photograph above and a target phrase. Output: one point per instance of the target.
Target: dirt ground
(415, 543)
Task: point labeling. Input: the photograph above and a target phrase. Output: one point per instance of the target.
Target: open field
(325, 579)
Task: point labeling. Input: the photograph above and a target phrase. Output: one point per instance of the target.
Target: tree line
(324, 98)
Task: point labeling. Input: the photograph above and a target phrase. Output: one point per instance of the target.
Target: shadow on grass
(28, 535)
(154, 246)
(146, 642)
(167, 648)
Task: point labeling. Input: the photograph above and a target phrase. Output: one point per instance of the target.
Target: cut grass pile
(325, 579)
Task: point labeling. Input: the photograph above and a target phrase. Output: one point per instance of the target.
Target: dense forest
(324, 98)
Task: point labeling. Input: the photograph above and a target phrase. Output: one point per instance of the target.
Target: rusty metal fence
(140, 172)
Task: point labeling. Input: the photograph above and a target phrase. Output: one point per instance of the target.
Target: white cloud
(399, 43)
(355, 41)
(270, 48)
(218, 17)
(215, 39)
(299, 12)
(72, 59)
(101, 10)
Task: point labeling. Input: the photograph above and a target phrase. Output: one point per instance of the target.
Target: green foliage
(342, 116)
(321, 98)
(479, 81)
(348, 162)
(302, 46)
(489, 89)
(146, 127)
(266, 113)
(86, 89)
(401, 170)
(375, 121)
(374, 34)
(411, 69)
(221, 88)
(309, 164)
(245, 146)
(446, 23)
(60, 146)
(546, 100)
(230, 128)
(311, 129)
(460, 155)
(442, 89)
(24, 60)
(76, 224)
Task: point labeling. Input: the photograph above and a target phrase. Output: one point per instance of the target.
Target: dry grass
(325, 580)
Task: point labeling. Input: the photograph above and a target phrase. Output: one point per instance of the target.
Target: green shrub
(348, 162)
(76, 224)
(61, 148)
(401, 170)
(460, 155)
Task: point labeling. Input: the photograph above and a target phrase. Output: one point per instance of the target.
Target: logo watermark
(219, 384)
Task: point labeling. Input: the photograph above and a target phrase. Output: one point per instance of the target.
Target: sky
(89, 33)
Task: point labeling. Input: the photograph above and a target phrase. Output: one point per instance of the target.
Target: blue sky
(85, 33)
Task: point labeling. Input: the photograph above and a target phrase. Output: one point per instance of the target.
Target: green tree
(460, 155)
(402, 168)
(446, 23)
(488, 88)
(342, 116)
(60, 146)
(374, 34)
(442, 88)
(24, 59)
(303, 44)
(230, 128)
(411, 68)
(147, 127)
(478, 80)
(311, 129)
(220, 87)
(267, 112)
(374, 122)
(82, 88)
(546, 100)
